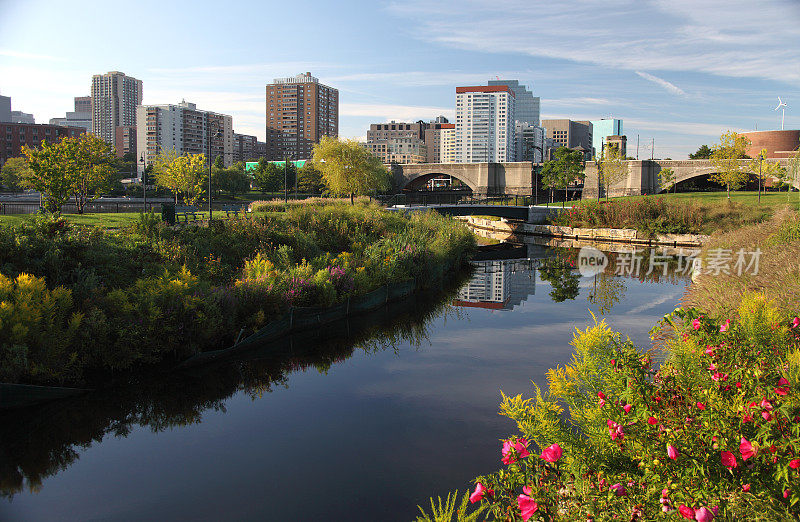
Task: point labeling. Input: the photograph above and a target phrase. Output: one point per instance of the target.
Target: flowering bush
(713, 432)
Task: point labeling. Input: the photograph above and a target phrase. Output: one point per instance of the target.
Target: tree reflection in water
(39, 442)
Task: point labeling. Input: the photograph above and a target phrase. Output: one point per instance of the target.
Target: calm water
(362, 421)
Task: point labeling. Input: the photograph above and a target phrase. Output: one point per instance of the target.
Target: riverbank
(710, 432)
(86, 303)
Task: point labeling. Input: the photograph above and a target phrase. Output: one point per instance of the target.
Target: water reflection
(38, 442)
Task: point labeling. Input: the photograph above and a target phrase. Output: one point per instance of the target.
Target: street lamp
(760, 162)
(144, 180)
(217, 134)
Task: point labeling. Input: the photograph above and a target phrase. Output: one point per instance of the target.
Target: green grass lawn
(768, 199)
(101, 219)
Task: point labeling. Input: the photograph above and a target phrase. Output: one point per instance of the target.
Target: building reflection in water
(499, 284)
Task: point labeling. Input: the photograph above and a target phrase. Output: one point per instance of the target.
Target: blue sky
(677, 71)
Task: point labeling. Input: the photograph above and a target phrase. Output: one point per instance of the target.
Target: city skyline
(705, 68)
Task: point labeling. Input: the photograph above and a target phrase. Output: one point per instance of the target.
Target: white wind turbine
(782, 106)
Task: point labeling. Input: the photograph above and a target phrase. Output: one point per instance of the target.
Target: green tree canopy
(564, 169)
(181, 174)
(611, 168)
(13, 173)
(726, 157)
(349, 168)
(267, 177)
(704, 152)
(666, 178)
(309, 179)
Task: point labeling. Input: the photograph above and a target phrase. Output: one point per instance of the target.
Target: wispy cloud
(671, 87)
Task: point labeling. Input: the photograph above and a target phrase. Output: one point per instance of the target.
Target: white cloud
(737, 38)
(671, 87)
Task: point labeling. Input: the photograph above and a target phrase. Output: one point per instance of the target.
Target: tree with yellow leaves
(185, 174)
(349, 168)
(726, 157)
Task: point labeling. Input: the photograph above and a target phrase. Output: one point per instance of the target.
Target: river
(363, 420)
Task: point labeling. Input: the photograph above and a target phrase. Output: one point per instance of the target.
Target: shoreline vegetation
(713, 431)
(83, 303)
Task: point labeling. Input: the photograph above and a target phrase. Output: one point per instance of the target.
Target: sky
(677, 72)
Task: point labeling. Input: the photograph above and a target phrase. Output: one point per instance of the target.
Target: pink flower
(712, 367)
(701, 406)
(746, 449)
(796, 322)
(627, 408)
(785, 493)
(766, 404)
(615, 430)
(746, 488)
(479, 493)
(729, 460)
(724, 327)
(696, 324)
(652, 421)
(619, 490)
(527, 505)
(552, 453)
(686, 512)
(783, 389)
(703, 515)
(709, 350)
(767, 415)
(512, 450)
(672, 452)
(794, 464)
(601, 395)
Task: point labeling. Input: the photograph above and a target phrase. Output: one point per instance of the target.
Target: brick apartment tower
(114, 100)
(300, 111)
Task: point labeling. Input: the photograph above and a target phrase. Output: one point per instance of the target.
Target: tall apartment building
(5, 109)
(402, 142)
(448, 149)
(300, 111)
(485, 124)
(576, 135)
(125, 141)
(80, 117)
(244, 147)
(602, 129)
(526, 105)
(115, 97)
(184, 128)
(14, 135)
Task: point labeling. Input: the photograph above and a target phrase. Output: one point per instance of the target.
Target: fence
(454, 197)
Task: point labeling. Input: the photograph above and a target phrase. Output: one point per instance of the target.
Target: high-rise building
(184, 128)
(485, 124)
(81, 117)
(5, 109)
(448, 151)
(22, 117)
(244, 147)
(15, 135)
(401, 142)
(299, 112)
(529, 142)
(526, 105)
(602, 129)
(576, 135)
(125, 140)
(115, 97)
(433, 138)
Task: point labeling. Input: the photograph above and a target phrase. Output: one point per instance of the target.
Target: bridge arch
(423, 179)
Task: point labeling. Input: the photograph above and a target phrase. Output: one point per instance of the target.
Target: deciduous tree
(704, 152)
(349, 168)
(185, 174)
(309, 179)
(13, 173)
(266, 176)
(564, 169)
(611, 168)
(726, 157)
(666, 178)
(93, 167)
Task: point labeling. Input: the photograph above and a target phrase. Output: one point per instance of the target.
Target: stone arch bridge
(482, 178)
(643, 175)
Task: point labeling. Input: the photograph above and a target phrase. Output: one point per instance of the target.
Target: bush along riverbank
(79, 304)
(711, 432)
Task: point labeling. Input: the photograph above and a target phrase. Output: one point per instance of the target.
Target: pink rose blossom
(701, 406)
(729, 460)
(686, 512)
(746, 449)
(527, 506)
(672, 452)
(652, 421)
(696, 324)
(746, 487)
(796, 322)
(767, 415)
(703, 515)
(724, 327)
(552, 453)
(627, 408)
(783, 389)
(766, 404)
(794, 464)
(480, 491)
(619, 490)
(509, 449)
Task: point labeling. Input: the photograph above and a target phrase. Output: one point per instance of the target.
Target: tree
(726, 157)
(193, 170)
(309, 179)
(185, 174)
(266, 176)
(792, 173)
(704, 152)
(94, 167)
(563, 281)
(563, 170)
(81, 166)
(666, 178)
(288, 175)
(764, 169)
(13, 173)
(349, 168)
(611, 168)
(234, 180)
(165, 172)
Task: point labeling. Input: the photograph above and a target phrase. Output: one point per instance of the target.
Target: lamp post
(216, 135)
(760, 162)
(144, 180)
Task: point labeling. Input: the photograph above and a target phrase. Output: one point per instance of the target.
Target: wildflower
(712, 367)
(746, 487)
(724, 327)
(627, 408)
(480, 492)
(672, 452)
(527, 506)
(709, 350)
(766, 404)
(701, 406)
(783, 389)
(552, 453)
(796, 322)
(696, 324)
(767, 415)
(703, 515)
(686, 512)
(513, 450)
(785, 493)
(729, 460)
(794, 464)
(747, 449)
(652, 421)
(619, 490)
(615, 430)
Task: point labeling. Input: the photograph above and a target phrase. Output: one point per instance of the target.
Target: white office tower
(526, 104)
(485, 124)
